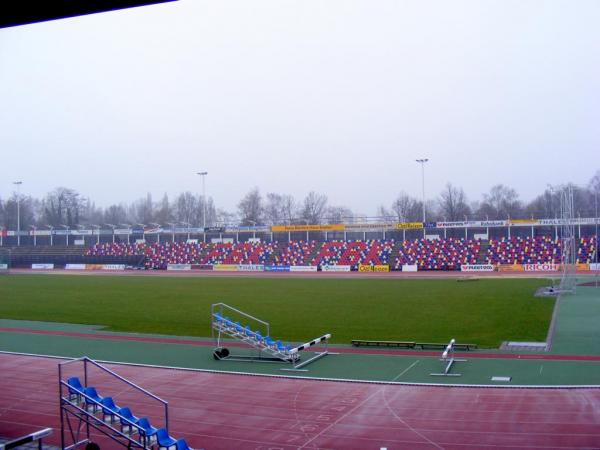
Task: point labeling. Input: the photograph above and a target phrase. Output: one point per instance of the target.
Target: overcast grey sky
(339, 97)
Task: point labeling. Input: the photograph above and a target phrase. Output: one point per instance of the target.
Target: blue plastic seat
(146, 430)
(269, 341)
(91, 403)
(75, 389)
(165, 441)
(109, 409)
(182, 445)
(128, 421)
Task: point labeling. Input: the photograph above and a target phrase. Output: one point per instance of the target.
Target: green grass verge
(485, 312)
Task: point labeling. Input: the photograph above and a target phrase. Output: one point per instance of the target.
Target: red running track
(221, 411)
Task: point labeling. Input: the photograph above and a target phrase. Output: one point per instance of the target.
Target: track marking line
(406, 370)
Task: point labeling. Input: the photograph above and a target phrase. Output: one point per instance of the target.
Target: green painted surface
(480, 312)
(577, 328)
(410, 369)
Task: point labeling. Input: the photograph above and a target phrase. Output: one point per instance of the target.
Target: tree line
(69, 208)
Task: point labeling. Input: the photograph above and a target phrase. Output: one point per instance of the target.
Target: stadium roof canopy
(22, 12)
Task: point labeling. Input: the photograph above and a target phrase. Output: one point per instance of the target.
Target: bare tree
(339, 214)
(115, 214)
(163, 213)
(63, 206)
(501, 202)
(406, 209)
(453, 203)
(314, 208)
(251, 208)
(143, 210)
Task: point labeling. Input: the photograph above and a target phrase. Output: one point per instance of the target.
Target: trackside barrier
(35, 436)
(78, 409)
(255, 333)
(448, 360)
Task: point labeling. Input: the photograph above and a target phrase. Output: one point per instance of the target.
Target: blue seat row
(253, 335)
(130, 424)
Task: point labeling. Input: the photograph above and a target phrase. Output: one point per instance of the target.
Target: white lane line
(406, 370)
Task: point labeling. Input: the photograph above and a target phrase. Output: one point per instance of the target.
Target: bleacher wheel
(220, 353)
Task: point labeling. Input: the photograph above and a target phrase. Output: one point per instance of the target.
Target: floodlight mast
(422, 161)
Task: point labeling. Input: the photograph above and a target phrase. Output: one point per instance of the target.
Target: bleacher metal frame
(262, 352)
(77, 420)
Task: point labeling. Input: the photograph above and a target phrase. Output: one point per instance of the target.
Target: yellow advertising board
(582, 266)
(292, 228)
(409, 225)
(510, 268)
(523, 222)
(373, 268)
(225, 267)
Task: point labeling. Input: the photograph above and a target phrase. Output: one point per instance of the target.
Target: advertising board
(179, 267)
(545, 267)
(335, 268)
(510, 268)
(225, 267)
(410, 268)
(250, 267)
(75, 267)
(277, 268)
(303, 268)
(476, 268)
(42, 266)
(113, 266)
(379, 268)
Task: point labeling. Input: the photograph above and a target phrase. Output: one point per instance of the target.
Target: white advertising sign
(477, 268)
(251, 267)
(113, 266)
(179, 267)
(75, 267)
(335, 268)
(546, 267)
(42, 266)
(303, 268)
(409, 268)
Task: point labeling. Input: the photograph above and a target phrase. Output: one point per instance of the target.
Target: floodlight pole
(422, 161)
(18, 184)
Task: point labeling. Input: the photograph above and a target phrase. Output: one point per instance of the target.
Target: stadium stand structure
(82, 408)
(427, 254)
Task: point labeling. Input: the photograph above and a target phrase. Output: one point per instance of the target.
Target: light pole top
(422, 160)
(201, 173)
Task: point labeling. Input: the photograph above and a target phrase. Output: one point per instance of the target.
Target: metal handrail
(35, 436)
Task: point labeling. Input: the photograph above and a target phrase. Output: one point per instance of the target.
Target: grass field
(485, 312)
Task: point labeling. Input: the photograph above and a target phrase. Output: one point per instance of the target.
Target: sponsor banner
(335, 268)
(179, 267)
(151, 230)
(81, 232)
(303, 268)
(292, 228)
(42, 266)
(510, 268)
(410, 268)
(368, 226)
(3, 266)
(226, 267)
(582, 266)
(409, 225)
(61, 232)
(122, 231)
(214, 230)
(374, 268)
(430, 225)
(523, 222)
(3, 233)
(451, 224)
(11, 233)
(277, 268)
(251, 267)
(137, 231)
(94, 266)
(546, 267)
(492, 223)
(202, 267)
(113, 266)
(476, 268)
(41, 233)
(75, 267)
(595, 266)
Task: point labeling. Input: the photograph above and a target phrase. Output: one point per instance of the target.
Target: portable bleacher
(255, 333)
